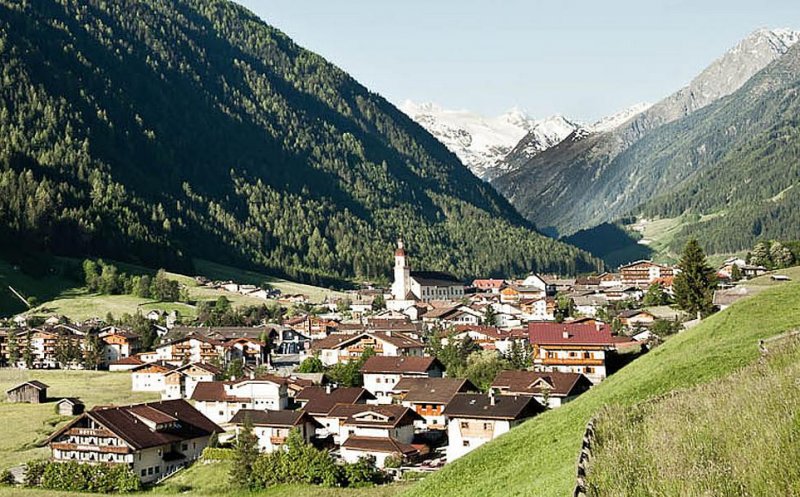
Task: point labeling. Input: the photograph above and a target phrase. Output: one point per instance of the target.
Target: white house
(221, 400)
(319, 401)
(343, 347)
(150, 377)
(180, 383)
(428, 398)
(474, 419)
(551, 389)
(272, 427)
(381, 373)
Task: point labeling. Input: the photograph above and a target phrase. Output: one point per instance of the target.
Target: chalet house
(249, 351)
(513, 294)
(474, 419)
(126, 364)
(70, 406)
(150, 377)
(153, 439)
(487, 337)
(33, 392)
(591, 304)
(191, 348)
(381, 373)
(118, 344)
(549, 389)
(747, 270)
(540, 283)
(488, 286)
(292, 341)
(342, 347)
(572, 347)
(378, 431)
(181, 382)
(636, 318)
(319, 401)
(451, 316)
(428, 398)
(538, 309)
(619, 293)
(642, 273)
(272, 427)
(221, 400)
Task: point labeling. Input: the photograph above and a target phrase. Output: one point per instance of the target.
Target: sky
(582, 59)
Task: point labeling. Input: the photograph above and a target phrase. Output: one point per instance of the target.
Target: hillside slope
(585, 181)
(156, 132)
(538, 458)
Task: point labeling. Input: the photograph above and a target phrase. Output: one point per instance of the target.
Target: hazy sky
(580, 58)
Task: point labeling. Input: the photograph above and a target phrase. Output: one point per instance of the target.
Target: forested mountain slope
(586, 180)
(155, 132)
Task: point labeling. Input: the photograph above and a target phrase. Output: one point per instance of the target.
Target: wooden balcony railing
(575, 361)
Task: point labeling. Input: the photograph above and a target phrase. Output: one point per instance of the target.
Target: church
(421, 286)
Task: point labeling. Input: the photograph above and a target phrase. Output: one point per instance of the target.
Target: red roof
(551, 333)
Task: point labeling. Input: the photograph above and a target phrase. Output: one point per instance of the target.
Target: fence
(583, 460)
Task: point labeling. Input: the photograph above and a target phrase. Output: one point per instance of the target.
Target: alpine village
(228, 268)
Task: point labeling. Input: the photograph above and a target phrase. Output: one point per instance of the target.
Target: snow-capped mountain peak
(610, 122)
(481, 142)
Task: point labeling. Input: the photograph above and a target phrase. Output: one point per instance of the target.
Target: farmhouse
(474, 419)
(150, 377)
(181, 382)
(33, 392)
(319, 401)
(343, 347)
(221, 400)
(381, 373)
(272, 427)
(551, 389)
(428, 398)
(153, 439)
(378, 431)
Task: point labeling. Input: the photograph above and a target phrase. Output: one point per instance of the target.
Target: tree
(489, 316)
(165, 289)
(343, 305)
(92, 351)
(90, 274)
(519, 356)
(245, 453)
(13, 349)
(483, 366)
(760, 255)
(379, 302)
(311, 365)
(655, 295)
(780, 256)
(695, 282)
(736, 273)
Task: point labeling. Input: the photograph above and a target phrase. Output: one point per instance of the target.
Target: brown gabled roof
(386, 416)
(536, 383)
(272, 418)
(378, 444)
(162, 365)
(38, 385)
(126, 423)
(128, 361)
(479, 406)
(338, 340)
(400, 364)
(432, 390)
(214, 391)
(319, 402)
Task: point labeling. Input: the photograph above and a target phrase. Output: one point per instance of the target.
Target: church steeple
(402, 272)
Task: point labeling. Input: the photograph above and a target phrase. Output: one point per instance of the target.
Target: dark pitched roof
(378, 444)
(271, 418)
(214, 391)
(536, 383)
(432, 390)
(551, 333)
(126, 422)
(400, 364)
(159, 364)
(435, 278)
(338, 340)
(319, 402)
(38, 385)
(476, 405)
(377, 416)
(71, 400)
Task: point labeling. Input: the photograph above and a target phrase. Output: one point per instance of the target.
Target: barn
(34, 392)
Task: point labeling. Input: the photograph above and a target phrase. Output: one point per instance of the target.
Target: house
(474, 419)
(488, 285)
(591, 304)
(378, 431)
(33, 392)
(69, 406)
(636, 318)
(538, 309)
(319, 401)
(487, 337)
(118, 344)
(272, 427)
(194, 347)
(410, 286)
(381, 373)
(221, 400)
(579, 347)
(642, 273)
(153, 439)
(428, 398)
(181, 382)
(551, 389)
(343, 347)
(513, 294)
(150, 377)
(126, 364)
(540, 283)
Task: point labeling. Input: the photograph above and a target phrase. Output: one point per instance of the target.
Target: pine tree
(13, 349)
(695, 282)
(245, 453)
(489, 316)
(27, 350)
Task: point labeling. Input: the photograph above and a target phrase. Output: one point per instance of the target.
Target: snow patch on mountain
(614, 120)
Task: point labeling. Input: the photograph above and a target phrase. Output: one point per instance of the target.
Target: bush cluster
(80, 477)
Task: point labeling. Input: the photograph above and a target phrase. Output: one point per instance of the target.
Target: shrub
(80, 477)
(217, 454)
(6, 478)
(363, 473)
(33, 472)
(393, 461)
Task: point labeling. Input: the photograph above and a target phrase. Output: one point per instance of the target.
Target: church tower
(402, 273)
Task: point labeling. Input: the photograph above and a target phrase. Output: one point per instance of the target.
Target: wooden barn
(34, 392)
(69, 406)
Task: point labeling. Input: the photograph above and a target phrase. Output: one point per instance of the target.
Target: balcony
(106, 449)
(575, 361)
(277, 440)
(89, 432)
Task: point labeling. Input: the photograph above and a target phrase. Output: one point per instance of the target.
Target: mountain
(581, 182)
(615, 120)
(158, 132)
(482, 142)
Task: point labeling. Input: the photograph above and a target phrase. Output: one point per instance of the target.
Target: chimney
(491, 397)
(388, 333)
(328, 389)
(252, 375)
(565, 334)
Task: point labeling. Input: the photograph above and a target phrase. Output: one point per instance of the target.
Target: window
(144, 472)
(150, 470)
(158, 469)
(378, 379)
(589, 369)
(464, 425)
(185, 446)
(465, 443)
(487, 426)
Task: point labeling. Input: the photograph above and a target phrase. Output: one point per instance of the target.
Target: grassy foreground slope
(538, 458)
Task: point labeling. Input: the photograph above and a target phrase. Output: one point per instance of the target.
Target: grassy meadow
(539, 457)
(739, 435)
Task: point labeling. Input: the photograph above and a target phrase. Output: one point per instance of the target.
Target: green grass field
(538, 458)
(734, 436)
(30, 424)
(60, 293)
